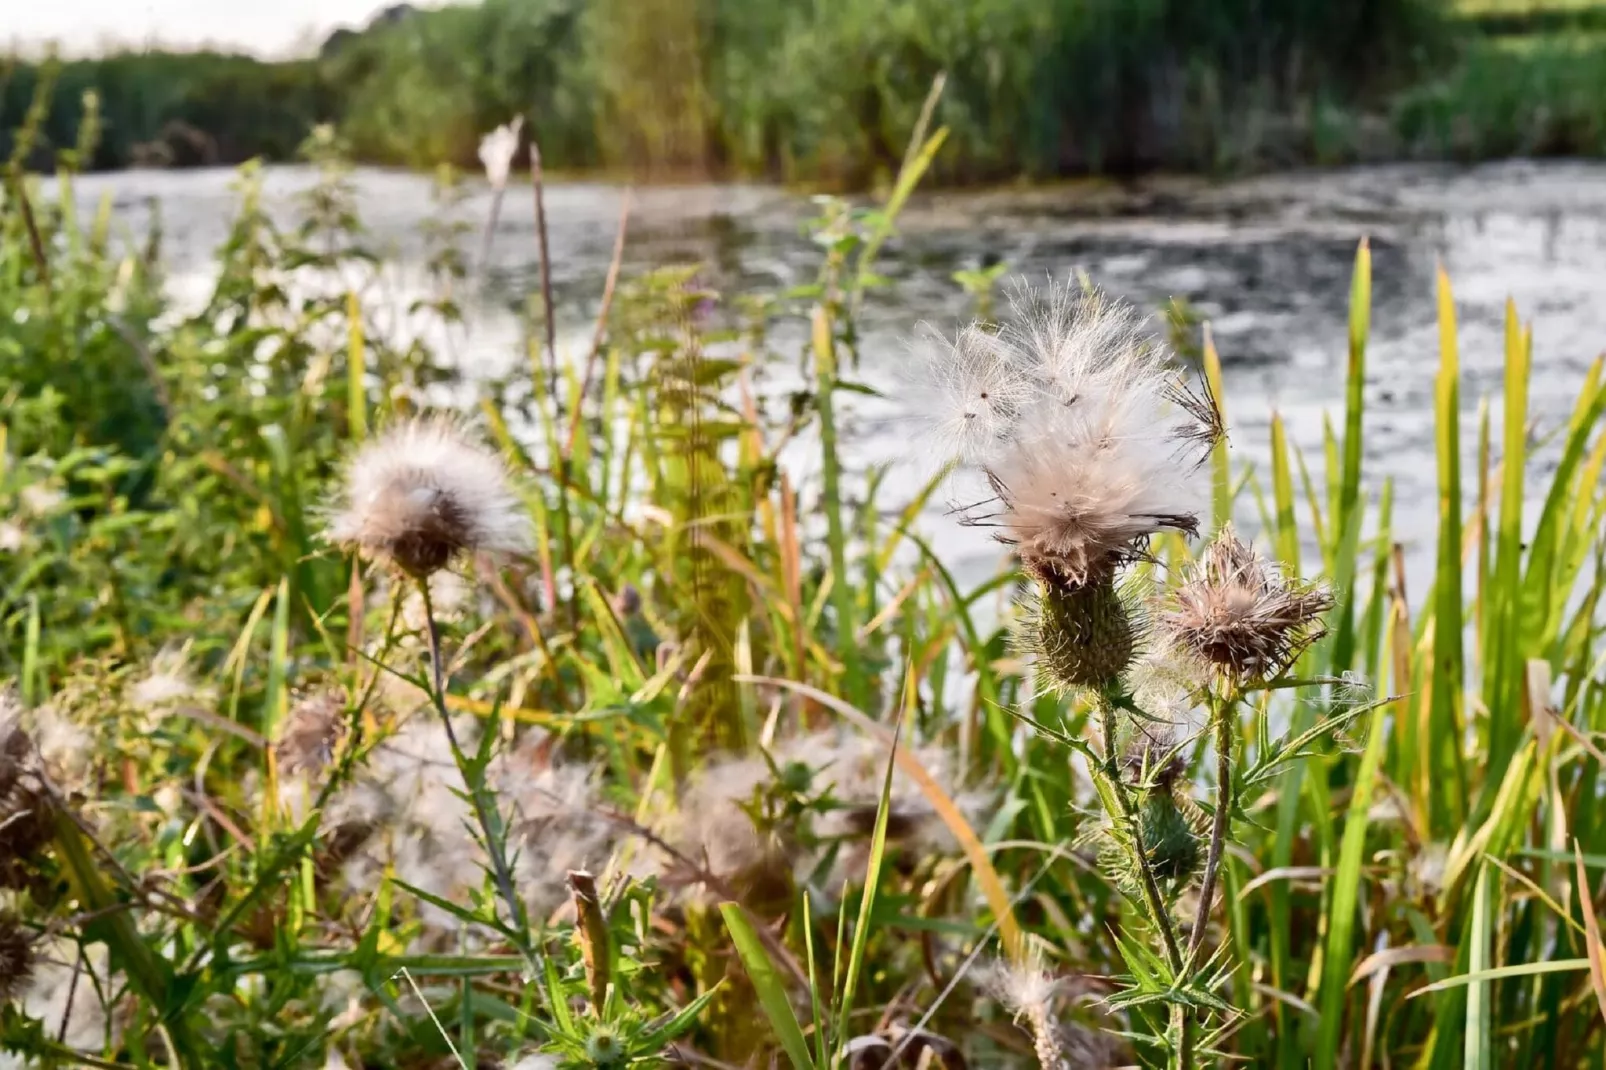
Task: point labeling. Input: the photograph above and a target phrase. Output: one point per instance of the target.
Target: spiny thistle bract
(1238, 613)
(1082, 636)
(423, 493)
(1171, 838)
(16, 959)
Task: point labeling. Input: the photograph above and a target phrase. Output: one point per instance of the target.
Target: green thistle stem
(519, 926)
(1223, 717)
(1179, 1034)
(1129, 816)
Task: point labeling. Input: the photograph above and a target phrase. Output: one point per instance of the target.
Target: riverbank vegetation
(585, 729)
(829, 91)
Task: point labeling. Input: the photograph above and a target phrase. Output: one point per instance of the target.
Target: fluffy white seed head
(497, 150)
(1089, 440)
(424, 493)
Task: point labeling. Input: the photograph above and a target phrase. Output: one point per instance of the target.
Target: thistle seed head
(497, 150)
(422, 494)
(1029, 992)
(1070, 412)
(1239, 614)
(313, 730)
(167, 683)
(16, 959)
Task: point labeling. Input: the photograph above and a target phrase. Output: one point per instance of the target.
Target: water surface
(1266, 261)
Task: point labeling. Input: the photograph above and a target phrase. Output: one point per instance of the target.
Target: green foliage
(825, 91)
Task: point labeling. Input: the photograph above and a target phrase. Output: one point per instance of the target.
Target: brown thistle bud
(1239, 614)
(25, 826)
(1154, 760)
(593, 936)
(313, 731)
(16, 959)
(1083, 636)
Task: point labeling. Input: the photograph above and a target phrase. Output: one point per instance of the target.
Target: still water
(1266, 261)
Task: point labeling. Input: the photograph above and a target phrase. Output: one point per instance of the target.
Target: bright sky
(268, 27)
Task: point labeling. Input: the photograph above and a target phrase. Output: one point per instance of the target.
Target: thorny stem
(1179, 1034)
(1218, 829)
(1129, 813)
(501, 872)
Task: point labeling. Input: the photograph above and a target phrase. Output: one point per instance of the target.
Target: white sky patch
(79, 27)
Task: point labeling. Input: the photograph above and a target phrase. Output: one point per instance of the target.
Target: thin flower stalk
(495, 846)
(1224, 715)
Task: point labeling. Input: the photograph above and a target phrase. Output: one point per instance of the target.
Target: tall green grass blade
(872, 875)
(772, 996)
(1346, 891)
(1448, 806)
(1479, 1047)
(1503, 645)
(847, 623)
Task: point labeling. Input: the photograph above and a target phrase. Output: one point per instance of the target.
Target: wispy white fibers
(497, 150)
(1090, 440)
(424, 492)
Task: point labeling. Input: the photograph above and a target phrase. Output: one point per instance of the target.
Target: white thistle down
(423, 493)
(167, 683)
(1089, 440)
(497, 150)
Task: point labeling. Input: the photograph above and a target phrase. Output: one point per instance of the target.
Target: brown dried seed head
(1240, 614)
(313, 731)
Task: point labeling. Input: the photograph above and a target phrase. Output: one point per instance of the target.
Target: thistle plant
(1092, 445)
(417, 498)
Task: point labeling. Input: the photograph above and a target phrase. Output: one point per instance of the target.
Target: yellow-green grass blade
(772, 995)
(1346, 890)
(1503, 646)
(1444, 721)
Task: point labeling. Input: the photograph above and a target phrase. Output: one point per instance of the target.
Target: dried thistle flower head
(313, 730)
(1237, 612)
(1071, 413)
(25, 825)
(16, 959)
(497, 150)
(1154, 759)
(423, 493)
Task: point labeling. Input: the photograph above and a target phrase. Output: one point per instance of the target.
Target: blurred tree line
(821, 90)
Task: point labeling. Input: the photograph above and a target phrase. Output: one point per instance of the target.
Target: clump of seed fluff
(423, 494)
(1090, 442)
(1236, 612)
